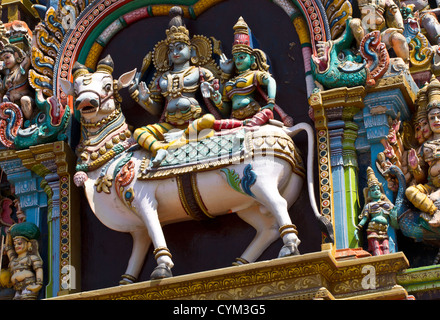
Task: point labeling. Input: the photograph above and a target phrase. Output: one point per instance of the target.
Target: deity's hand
(144, 92)
(211, 91)
(227, 65)
(356, 234)
(413, 159)
(389, 152)
(34, 287)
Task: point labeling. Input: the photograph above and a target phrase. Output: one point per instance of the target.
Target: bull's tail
(325, 225)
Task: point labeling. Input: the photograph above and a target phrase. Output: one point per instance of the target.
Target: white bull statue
(260, 184)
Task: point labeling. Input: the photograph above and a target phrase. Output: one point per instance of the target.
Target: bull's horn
(106, 65)
(79, 70)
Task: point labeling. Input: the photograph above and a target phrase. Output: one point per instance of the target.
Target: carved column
(333, 112)
(55, 163)
(393, 95)
(45, 172)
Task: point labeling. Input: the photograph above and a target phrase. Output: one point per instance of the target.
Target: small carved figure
(243, 90)
(15, 86)
(426, 197)
(177, 83)
(427, 18)
(383, 16)
(376, 213)
(25, 263)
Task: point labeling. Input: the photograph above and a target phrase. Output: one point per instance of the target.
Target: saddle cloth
(224, 149)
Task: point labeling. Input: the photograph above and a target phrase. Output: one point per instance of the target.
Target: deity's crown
(178, 34)
(27, 230)
(242, 39)
(421, 101)
(433, 93)
(371, 178)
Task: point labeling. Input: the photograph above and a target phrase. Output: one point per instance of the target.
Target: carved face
(434, 120)
(179, 53)
(243, 61)
(374, 192)
(20, 245)
(9, 60)
(93, 92)
(422, 131)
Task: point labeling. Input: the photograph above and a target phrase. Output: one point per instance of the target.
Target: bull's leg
(161, 253)
(266, 192)
(141, 243)
(267, 232)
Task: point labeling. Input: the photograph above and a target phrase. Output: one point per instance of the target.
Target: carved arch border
(102, 19)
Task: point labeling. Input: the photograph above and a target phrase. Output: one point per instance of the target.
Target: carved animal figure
(260, 189)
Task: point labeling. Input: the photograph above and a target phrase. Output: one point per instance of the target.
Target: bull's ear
(126, 79)
(67, 87)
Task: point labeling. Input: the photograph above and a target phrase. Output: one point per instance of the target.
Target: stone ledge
(310, 276)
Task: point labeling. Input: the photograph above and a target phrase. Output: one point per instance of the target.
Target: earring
(254, 65)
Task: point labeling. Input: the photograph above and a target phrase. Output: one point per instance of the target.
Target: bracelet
(271, 100)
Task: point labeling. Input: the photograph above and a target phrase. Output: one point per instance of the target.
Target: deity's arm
(9, 248)
(267, 80)
(26, 63)
(152, 101)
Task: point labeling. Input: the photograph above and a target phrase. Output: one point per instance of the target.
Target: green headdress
(27, 230)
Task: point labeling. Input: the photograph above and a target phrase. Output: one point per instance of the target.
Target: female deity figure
(173, 89)
(242, 91)
(15, 85)
(376, 213)
(422, 133)
(25, 263)
(426, 197)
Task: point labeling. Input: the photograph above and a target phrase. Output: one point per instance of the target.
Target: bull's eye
(108, 87)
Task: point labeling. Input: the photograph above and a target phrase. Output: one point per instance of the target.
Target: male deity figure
(15, 85)
(174, 90)
(376, 213)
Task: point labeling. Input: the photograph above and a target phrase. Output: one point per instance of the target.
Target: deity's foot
(157, 160)
(435, 219)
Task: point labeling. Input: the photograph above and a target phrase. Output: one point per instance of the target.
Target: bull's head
(94, 93)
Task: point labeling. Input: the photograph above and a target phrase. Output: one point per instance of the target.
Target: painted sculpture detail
(111, 162)
(375, 216)
(25, 263)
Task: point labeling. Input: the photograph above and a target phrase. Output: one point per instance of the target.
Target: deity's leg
(205, 122)
(385, 246)
(151, 137)
(260, 118)
(374, 247)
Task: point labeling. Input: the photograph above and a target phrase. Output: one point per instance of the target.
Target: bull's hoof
(127, 279)
(289, 249)
(160, 272)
